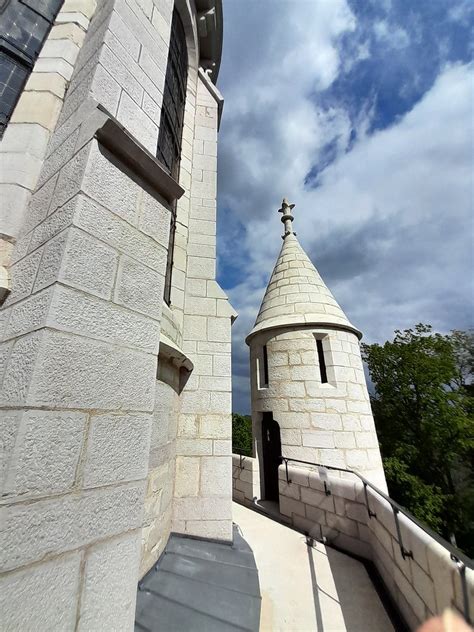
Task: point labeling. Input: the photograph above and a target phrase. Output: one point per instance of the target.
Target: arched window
(24, 26)
(171, 123)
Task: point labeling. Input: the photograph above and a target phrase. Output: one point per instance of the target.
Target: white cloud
(390, 219)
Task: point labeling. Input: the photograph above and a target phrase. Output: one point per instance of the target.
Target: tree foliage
(423, 407)
(242, 434)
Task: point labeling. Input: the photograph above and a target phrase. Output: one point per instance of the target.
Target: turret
(309, 394)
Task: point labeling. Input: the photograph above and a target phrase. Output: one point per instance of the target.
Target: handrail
(462, 561)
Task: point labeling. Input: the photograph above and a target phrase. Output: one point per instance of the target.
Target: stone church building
(115, 362)
(115, 373)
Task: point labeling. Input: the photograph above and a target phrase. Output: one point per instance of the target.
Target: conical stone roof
(296, 294)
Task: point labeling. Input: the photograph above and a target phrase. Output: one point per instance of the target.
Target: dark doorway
(271, 455)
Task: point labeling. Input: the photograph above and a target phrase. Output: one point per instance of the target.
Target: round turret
(309, 394)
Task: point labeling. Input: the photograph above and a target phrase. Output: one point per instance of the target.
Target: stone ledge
(112, 135)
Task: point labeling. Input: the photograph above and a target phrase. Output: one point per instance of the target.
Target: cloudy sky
(361, 113)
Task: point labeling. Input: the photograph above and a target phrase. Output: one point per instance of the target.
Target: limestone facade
(115, 406)
(317, 396)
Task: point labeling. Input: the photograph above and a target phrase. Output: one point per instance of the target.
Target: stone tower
(309, 393)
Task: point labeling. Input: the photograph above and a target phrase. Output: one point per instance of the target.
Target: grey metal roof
(200, 586)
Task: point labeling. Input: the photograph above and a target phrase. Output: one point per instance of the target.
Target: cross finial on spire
(287, 217)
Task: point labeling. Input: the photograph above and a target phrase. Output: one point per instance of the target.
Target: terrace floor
(308, 588)
(202, 586)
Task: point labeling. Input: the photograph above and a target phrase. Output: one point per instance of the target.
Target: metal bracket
(371, 513)
(405, 553)
(465, 594)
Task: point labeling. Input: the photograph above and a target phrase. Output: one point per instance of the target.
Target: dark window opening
(265, 366)
(24, 26)
(322, 362)
(171, 123)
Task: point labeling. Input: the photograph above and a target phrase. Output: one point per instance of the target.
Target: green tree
(242, 434)
(423, 410)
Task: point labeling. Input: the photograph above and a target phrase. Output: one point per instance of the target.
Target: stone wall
(161, 466)
(203, 493)
(421, 586)
(245, 479)
(80, 334)
(328, 423)
(24, 145)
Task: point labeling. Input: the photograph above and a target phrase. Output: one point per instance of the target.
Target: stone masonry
(115, 407)
(327, 422)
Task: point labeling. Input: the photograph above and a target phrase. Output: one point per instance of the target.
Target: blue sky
(361, 112)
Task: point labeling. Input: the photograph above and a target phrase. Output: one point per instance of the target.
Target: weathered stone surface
(42, 597)
(31, 531)
(110, 583)
(116, 448)
(46, 455)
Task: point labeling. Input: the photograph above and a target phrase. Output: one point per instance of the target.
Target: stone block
(187, 476)
(200, 306)
(84, 314)
(213, 529)
(9, 425)
(316, 439)
(31, 531)
(46, 455)
(137, 122)
(154, 219)
(117, 449)
(214, 427)
(111, 187)
(19, 365)
(23, 276)
(110, 585)
(317, 499)
(201, 267)
(289, 489)
(63, 375)
(344, 440)
(38, 107)
(195, 328)
(424, 586)
(28, 315)
(119, 234)
(222, 447)
(216, 476)
(139, 288)
(291, 506)
(326, 421)
(194, 447)
(42, 597)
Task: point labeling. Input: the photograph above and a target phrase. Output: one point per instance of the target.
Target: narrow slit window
(265, 366)
(322, 362)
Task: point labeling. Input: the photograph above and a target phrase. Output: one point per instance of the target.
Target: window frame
(172, 124)
(15, 56)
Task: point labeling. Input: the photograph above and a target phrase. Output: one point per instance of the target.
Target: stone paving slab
(308, 589)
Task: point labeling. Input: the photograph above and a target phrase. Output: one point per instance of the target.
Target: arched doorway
(271, 449)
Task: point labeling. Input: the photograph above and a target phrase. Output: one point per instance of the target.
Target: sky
(361, 113)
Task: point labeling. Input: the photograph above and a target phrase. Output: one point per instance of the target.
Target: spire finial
(287, 217)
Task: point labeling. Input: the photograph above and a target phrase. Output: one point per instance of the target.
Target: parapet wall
(245, 479)
(422, 584)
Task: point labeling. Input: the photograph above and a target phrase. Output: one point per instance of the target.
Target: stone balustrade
(422, 583)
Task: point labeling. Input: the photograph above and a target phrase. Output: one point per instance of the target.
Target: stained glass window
(171, 123)
(24, 26)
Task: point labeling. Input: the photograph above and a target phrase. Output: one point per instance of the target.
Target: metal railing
(462, 561)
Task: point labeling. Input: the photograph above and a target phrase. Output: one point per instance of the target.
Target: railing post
(405, 553)
(465, 594)
(371, 513)
(288, 480)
